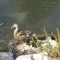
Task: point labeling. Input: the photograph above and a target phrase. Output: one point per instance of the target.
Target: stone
(39, 56)
(23, 49)
(23, 57)
(53, 43)
(6, 56)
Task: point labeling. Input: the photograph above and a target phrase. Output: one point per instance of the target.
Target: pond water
(29, 14)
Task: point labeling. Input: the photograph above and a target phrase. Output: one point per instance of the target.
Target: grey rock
(6, 56)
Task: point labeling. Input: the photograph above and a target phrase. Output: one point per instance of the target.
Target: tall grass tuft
(45, 32)
(3, 46)
(58, 35)
(3, 43)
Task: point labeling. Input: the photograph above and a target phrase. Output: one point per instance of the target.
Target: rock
(53, 43)
(40, 56)
(23, 49)
(29, 49)
(6, 56)
(23, 57)
(50, 42)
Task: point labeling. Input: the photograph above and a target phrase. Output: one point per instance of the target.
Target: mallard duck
(22, 36)
(17, 34)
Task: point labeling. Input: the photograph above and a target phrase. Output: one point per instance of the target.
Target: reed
(45, 32)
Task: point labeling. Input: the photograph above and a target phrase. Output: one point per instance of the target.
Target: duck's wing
(20, 33)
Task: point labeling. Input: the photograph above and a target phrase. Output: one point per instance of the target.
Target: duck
(17, 34)
(23, 36)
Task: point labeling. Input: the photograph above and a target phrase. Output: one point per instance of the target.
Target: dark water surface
(30, 14)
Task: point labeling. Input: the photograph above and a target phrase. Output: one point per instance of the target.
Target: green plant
(35, 42)
(54, 52)
(3, 43)
(58, 35)
(45, 32)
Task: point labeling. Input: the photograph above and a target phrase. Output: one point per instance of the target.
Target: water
(30, 14)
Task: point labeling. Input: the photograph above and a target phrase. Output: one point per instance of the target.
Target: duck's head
(14, 25)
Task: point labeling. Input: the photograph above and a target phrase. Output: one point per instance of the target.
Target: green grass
(3, 46)
(52, 52)
(3, 43)
(45, 32)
